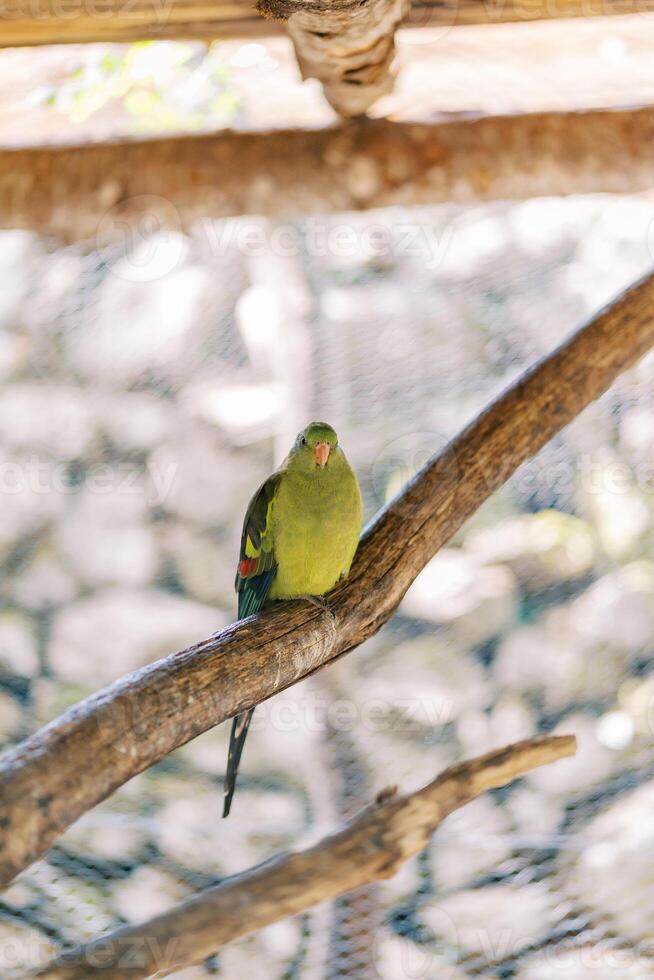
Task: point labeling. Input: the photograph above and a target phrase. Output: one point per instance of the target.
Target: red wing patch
(248, 567)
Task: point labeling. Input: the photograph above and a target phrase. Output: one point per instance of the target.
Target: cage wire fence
(148, 386)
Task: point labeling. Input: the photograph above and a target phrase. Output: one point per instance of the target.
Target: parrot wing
(254, 576)
(256, 567)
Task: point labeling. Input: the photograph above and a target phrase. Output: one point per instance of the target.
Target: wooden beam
(372, 846)
(96, 190)
(80, 758)
(26, 22)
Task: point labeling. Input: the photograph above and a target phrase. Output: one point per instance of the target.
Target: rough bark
(80, 758)
(348, 45)
(102, 192)
(372, 846)
(23, 22)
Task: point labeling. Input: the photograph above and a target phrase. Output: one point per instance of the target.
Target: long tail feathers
(240, 725)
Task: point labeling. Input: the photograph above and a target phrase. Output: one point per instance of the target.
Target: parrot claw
(319, 602)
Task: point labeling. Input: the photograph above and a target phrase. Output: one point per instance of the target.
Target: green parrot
(300, 534)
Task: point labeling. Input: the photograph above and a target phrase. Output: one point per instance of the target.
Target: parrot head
(314, 445)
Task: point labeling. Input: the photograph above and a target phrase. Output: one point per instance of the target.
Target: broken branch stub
(348, 45)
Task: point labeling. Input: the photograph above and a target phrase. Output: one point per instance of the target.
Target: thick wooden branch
(23, 22)
(100, 191)
(26, 23)
(348, 45)
(77, 760)
(372, 846)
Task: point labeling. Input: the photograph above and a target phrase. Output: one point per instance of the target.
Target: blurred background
(148, 387)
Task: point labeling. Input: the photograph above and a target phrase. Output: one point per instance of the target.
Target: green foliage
(162, 85)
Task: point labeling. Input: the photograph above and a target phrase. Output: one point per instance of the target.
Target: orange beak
(321, 452)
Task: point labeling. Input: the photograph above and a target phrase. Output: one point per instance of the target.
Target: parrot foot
(319, 602)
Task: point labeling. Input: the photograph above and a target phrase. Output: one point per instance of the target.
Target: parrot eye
(304, 441)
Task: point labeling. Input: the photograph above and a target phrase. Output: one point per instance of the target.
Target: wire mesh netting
(147, 388)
